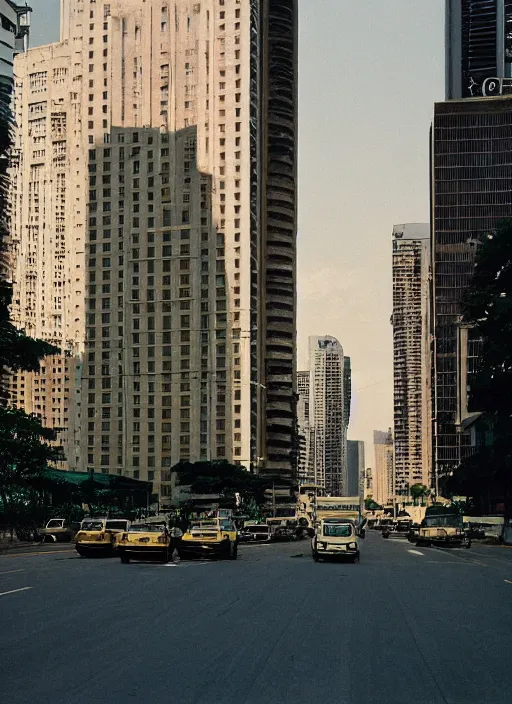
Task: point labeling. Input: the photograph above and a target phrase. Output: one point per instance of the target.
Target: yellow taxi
(97, 536)
(210, 537)
(145, 541)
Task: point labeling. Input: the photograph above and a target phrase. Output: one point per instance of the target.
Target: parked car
(58, 530)
(254, 532)
(97, 536)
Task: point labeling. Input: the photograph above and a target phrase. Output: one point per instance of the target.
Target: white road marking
(11, 572)
(186, 564)
(416, 552)
(508, 581)
(13, 591)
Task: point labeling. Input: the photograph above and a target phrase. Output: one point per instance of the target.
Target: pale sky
(369, 73)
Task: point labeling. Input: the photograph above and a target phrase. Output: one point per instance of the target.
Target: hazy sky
(369, 73)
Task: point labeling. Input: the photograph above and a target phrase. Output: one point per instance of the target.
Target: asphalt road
(404, 626)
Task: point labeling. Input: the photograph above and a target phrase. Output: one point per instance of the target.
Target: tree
(419, 491)
(221, 477)
(371, 505)
(487, 308)
(25, 452)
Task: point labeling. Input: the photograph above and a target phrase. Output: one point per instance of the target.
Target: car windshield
(92, 525)
(119, 525)
(148, 528)
(338, 531)
(447, 521)
(55, 523)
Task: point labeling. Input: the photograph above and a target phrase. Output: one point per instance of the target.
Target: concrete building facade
(328, 412)
(383, 489)
(306, 464)
(471, 192)
(181, 188)
(412, 356)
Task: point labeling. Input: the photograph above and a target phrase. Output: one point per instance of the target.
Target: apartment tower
(411, 356)
(383, 486)
(478, 44)
(329, 389)
(177, 199)
(306, 463)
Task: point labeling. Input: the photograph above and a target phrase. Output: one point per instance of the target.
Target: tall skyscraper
(471, 192)
(412, 356)
(355, 468)
(383, 486)
(478, 44)
(306, 463)
(166, 138)
(329, 374)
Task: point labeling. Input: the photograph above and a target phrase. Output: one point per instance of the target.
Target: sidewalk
(6, 546)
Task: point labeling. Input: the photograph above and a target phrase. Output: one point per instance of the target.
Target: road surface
(405, 626)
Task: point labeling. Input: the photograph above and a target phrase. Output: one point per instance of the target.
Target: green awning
(105, 481)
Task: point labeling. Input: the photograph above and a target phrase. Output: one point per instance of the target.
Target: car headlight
(352, 546)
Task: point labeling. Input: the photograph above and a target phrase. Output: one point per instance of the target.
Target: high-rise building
(14, 32)
(471, 192)
(328, 412)
(355, 468)
(158, 153)
(478, 44)
(383, 488)
(306, 463)
(412, 356)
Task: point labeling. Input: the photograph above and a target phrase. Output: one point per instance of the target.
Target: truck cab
(336, 538)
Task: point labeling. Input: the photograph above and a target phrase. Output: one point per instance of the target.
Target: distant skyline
(369, 73)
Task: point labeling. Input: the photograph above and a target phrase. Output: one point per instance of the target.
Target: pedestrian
(176, 534)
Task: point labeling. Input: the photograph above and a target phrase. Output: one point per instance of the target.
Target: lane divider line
(13, 591)
(11, 572)
(508, 581)
(416, 552)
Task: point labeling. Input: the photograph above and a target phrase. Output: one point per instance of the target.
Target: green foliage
(25, 452)
(487, 307)
(419, 492)
(371, 505)
(17, 351)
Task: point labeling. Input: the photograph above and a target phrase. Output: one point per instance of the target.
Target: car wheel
(125, 559)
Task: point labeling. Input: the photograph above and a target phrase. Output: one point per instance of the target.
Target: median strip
(13, 591)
